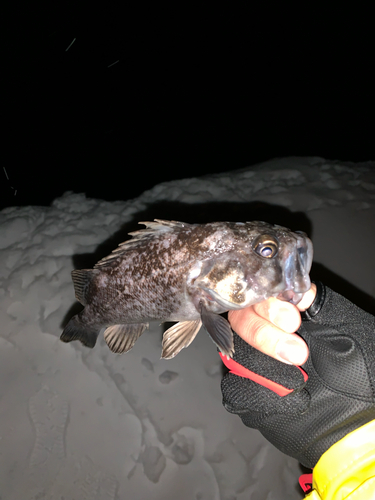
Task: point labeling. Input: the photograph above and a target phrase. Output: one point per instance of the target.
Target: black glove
(314, 413)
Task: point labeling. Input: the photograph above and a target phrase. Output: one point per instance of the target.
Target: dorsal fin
(156, 226)
(81, 281)
(153, 228)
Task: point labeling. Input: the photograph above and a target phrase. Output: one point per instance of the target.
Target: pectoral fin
(179, 336)
(219, 330)
(121, 338)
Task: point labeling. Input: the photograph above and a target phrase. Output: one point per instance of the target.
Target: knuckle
(261, 336)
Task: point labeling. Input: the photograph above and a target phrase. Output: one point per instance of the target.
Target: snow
(88, 424)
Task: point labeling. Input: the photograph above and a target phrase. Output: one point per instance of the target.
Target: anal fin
(179, 336)
(219, 330)
(121, 338)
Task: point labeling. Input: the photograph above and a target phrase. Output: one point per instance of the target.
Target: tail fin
(74, 330)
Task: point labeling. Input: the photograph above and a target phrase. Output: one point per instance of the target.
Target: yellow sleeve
(347, 470)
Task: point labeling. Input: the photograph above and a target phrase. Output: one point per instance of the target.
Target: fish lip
(297, 266)
(291, 296)
(305, 250)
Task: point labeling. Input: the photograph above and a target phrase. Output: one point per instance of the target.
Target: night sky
(110, 100)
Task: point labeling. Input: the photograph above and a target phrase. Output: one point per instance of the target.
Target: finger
(307, 299)
(280, 313)
(268, 338)
(285, 315)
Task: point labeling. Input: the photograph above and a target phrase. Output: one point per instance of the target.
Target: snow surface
(88, 424)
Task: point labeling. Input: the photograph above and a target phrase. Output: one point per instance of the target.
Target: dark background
(196, 89)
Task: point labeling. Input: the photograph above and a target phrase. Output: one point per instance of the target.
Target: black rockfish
(190, 273)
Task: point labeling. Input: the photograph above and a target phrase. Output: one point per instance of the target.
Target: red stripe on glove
(241, 371)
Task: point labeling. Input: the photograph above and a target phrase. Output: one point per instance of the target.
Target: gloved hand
(304, 412)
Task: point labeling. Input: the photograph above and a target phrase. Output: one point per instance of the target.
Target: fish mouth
(296, 270)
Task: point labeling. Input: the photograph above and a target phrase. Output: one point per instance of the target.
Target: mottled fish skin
(190, 273)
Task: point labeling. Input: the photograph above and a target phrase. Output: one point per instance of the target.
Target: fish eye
(266, 246)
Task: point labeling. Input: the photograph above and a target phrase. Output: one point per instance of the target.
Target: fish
(189, 274)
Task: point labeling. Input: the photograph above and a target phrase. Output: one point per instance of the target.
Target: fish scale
(188, 273)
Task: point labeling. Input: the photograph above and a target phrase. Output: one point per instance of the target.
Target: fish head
(266, 261)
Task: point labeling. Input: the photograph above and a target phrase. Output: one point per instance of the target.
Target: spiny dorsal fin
(81, 281)
(153, 228)
(162, 223)
(156, 226)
